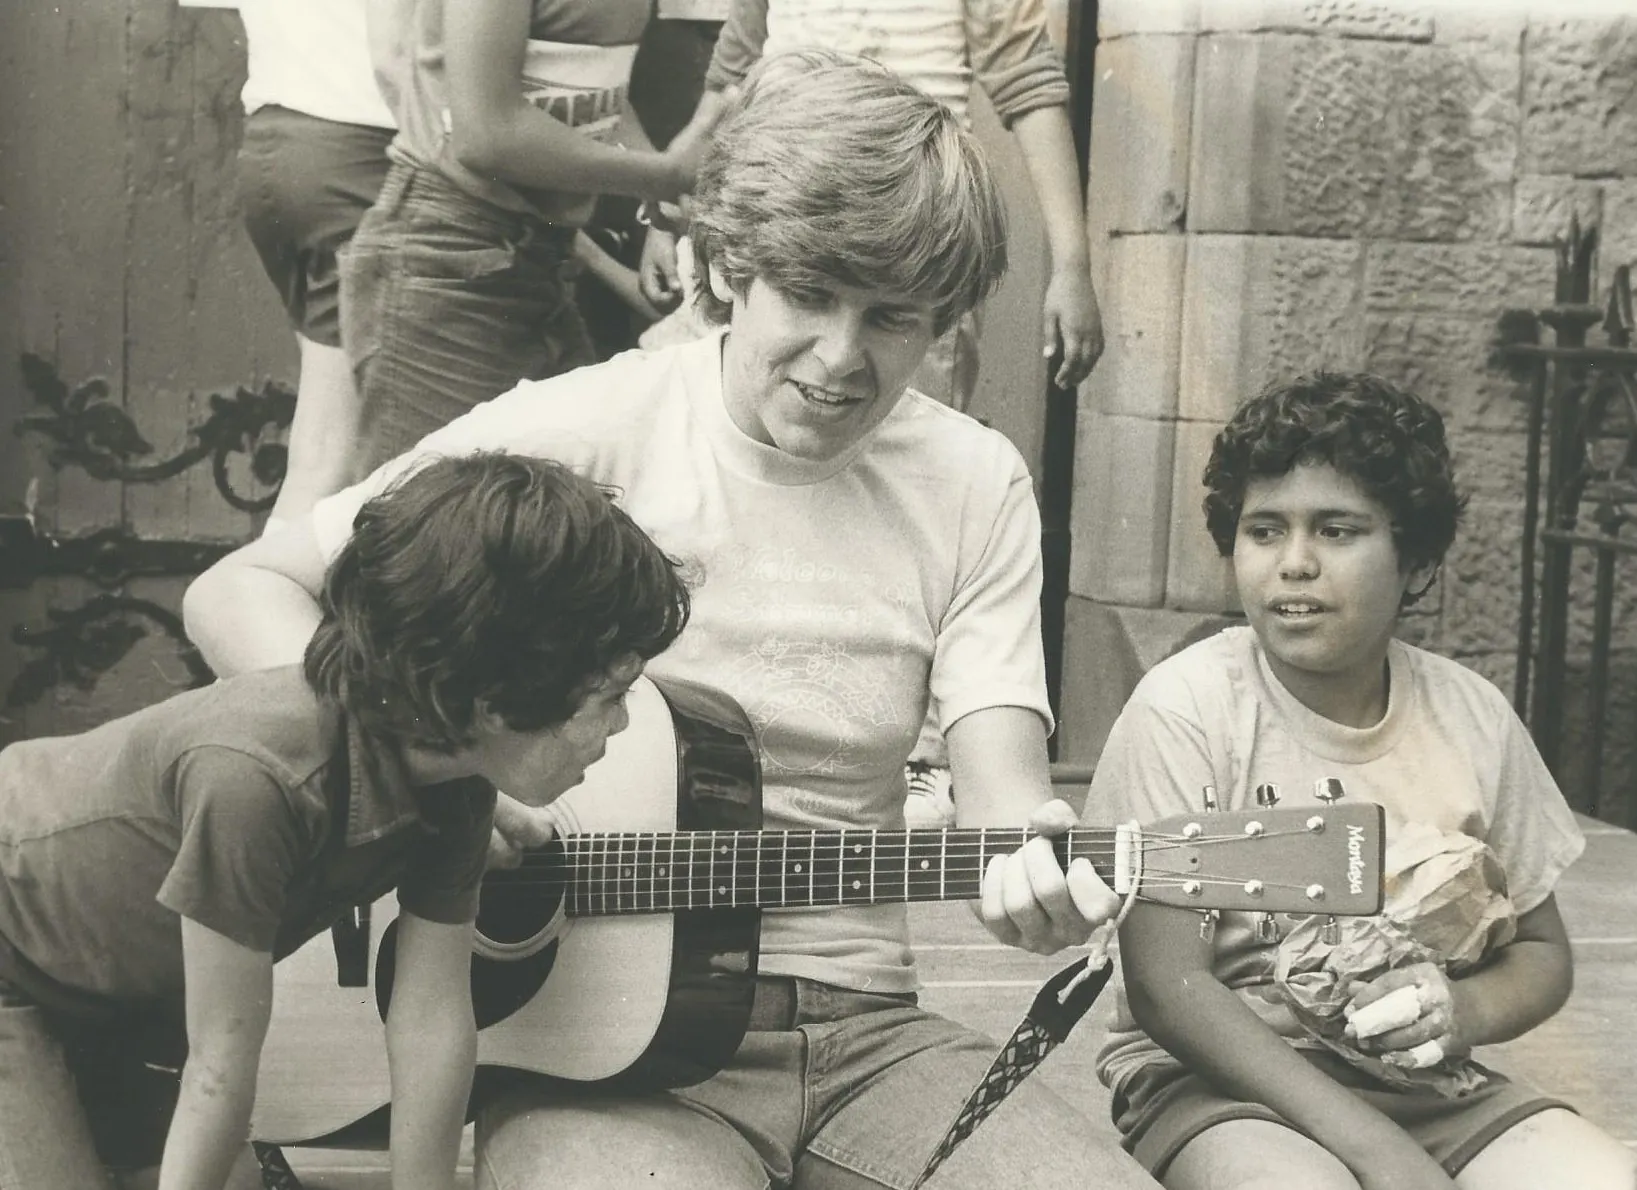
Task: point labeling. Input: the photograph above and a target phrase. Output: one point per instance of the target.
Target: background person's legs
(323, 443)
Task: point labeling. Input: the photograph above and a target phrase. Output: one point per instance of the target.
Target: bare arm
(390, 26)
(1073, 319)
(257, 607)
(497, 133)
(431, 1049)
(229, 991)
(1000, 776)
(1178, 1001)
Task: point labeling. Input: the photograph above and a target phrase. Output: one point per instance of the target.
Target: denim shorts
(448, 301)
(831, 1088)
(304, 183)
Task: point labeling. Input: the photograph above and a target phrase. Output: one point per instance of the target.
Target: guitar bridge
(1127, 858)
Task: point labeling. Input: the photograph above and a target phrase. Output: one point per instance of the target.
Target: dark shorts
(129, 1077)
(304, 183)
(1159, 1110)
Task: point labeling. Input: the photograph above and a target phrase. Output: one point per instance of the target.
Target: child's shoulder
(1225, 658)
(1449, 687)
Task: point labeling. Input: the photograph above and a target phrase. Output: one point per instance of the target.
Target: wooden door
(145, 364)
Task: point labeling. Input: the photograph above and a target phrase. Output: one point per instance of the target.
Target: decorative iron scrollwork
(83, 643)
(79, 645)
(88, 430)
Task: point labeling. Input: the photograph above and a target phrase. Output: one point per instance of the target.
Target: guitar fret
(801, 866)
(875, 837)
(760, 839)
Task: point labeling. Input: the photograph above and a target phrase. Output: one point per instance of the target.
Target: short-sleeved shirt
(311, 56)
(1449, 753)
(940, 46)
(829, 595)
(576, 68)
(250, 806)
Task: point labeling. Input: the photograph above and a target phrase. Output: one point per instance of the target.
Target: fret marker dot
(721, 890)
(925, 865)
(796, 868)
(857, 884)
(724, 848)
(858, 849)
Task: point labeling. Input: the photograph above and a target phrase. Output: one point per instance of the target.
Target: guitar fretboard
(658, 873)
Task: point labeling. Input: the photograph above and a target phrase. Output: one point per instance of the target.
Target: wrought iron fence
(1575, 679)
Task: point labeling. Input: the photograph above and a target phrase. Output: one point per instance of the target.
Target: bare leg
(1553, 1148)
(324, 435)
(1255, 1155)
(245, 1175)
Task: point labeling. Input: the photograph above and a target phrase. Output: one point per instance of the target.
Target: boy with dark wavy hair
(1335, 497)
(479, 629)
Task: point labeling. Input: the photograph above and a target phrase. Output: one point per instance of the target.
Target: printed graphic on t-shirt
(584, 86)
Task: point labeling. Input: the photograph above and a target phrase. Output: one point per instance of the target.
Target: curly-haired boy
(1335, 498)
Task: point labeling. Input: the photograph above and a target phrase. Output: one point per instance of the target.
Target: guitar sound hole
(516, 904)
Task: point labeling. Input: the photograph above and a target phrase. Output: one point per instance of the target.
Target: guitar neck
(657, 873)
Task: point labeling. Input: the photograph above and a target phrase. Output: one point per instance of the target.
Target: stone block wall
(1282, 184)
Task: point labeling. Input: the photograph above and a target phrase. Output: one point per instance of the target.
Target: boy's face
(540, 765)
(812, 369)
(1319, 575)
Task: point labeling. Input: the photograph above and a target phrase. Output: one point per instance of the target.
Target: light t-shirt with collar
(828, 597)
(1449, 752)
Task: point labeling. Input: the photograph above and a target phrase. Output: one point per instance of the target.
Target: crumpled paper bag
(1445, 903)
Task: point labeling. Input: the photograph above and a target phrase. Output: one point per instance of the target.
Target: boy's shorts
(1161, 1109)
(304, 183)
(129, 1077)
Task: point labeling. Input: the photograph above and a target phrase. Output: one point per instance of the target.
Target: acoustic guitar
(624, 953)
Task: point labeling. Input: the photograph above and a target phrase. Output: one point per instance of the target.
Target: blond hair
(828, 167)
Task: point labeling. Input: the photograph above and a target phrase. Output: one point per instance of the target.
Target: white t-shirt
(1449, 753)
(828, 597)
(311, 56)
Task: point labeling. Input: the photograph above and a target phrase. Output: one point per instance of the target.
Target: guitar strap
(1058, 1006)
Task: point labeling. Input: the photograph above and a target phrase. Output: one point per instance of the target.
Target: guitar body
(658, 999)
(651, 1000)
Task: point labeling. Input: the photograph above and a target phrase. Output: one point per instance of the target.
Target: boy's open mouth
(823, 396)
(1296, 609)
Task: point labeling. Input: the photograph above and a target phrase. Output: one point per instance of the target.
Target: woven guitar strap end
(1058, 1006)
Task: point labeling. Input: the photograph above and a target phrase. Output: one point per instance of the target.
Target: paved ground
(1583, 1054)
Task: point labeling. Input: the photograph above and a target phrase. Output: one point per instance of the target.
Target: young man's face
(540, 765)
(812, 369)
(1319, 575)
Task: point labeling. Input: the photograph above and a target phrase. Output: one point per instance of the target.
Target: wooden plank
(203, 319)
(62, 178)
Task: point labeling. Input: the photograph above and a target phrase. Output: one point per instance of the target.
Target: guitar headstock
(1306, 859)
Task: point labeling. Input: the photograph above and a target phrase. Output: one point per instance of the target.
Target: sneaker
(930, 802)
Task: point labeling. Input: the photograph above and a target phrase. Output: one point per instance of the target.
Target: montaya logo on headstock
(1355, 859)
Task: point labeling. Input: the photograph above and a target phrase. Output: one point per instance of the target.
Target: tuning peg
(1331, 931)
(1209, 795)
(1207, 923)
(1267, 929)
(1267, 795)
(1329, 789)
